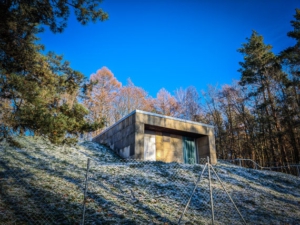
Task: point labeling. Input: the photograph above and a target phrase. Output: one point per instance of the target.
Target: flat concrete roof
(153, 114)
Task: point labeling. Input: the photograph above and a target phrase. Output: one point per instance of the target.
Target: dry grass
(43, 184)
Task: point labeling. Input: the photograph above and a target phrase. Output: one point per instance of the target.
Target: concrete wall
(206, 147)
(120, 137)
(126, 137)
(168, 147)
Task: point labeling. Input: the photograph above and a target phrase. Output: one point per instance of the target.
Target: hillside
(41, 183)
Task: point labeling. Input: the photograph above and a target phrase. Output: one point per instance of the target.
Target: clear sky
(173, 43)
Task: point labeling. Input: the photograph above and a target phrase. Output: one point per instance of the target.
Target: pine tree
(290, 58)
(33, 85)
(261, 71)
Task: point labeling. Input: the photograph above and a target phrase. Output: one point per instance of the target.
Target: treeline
(256, 117)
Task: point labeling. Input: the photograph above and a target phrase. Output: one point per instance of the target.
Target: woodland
(256, 117)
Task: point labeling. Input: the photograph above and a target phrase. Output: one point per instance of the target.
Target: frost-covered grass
(41, 183)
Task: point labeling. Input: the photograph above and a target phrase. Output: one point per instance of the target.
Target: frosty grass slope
(41, 183)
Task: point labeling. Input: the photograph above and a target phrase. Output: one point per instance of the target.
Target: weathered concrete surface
(168, 147)
(120, 137)
(126, 137)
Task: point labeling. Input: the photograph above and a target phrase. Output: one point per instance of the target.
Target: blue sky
(172, 43)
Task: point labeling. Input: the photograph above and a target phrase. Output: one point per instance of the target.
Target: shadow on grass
(25, 203)
(27, 200)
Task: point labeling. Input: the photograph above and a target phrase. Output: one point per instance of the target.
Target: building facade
(154, 137)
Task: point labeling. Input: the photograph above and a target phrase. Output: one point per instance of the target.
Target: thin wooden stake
(211, 194)
(85, 190)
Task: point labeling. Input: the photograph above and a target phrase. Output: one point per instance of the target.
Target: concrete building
(150, 136)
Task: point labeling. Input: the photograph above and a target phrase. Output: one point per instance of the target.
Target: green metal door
(189, 150)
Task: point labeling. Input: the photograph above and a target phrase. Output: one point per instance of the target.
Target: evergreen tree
(292, 54)
(291, 88)
(33, 85)
(262, 71)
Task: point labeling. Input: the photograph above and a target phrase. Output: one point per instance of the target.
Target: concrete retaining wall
(120, 137)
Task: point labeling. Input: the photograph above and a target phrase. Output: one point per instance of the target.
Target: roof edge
(115, 124)
(173, 118)
(151, 114)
